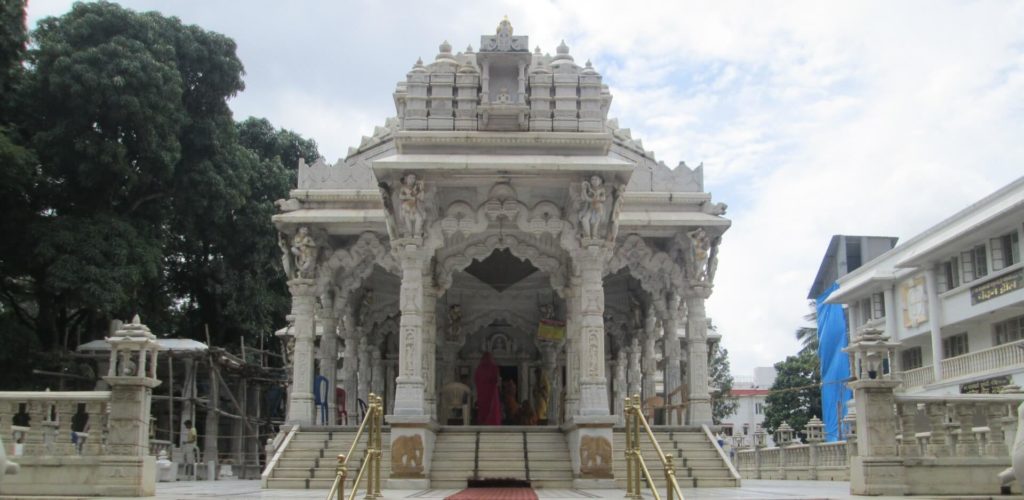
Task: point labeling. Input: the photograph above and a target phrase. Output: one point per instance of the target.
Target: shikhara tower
(501, 195)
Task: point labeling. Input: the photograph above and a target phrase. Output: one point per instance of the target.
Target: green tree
(722, 403)
(796, 394)
(127, 185)
(808, 335)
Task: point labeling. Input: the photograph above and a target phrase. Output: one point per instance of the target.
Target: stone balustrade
(54, 423)
(984, 361)
(813, 461)
(91, 443)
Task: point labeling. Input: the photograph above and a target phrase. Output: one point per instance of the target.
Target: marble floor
(751, 489)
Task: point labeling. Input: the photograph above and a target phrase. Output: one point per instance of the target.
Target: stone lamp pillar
(815, 430)
(132, 377)
(759, 443)
(783, 435)
(876, 469)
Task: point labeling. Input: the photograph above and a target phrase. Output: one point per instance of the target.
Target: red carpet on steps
(494, 494)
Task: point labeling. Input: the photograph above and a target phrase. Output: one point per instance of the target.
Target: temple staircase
(310, 460)
(537, 455)
(697, 459)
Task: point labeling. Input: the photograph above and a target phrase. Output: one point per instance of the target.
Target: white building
(750, 394)
(952, 296)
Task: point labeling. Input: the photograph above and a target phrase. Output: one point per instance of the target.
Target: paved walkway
(751, 489)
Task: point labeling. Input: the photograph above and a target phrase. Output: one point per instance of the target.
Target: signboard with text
(999, 286)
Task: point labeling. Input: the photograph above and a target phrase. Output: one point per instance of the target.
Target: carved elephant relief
(407, 456)
(595, 457)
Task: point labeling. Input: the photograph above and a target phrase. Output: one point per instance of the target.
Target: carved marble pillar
(363, 371)
(670, 320)
(699, 407)
(429, 345)
(376, 372)
(619, 388)
(572, 323)
(350, 365)
(633, 375)
(300, 397)
(329, 353)
(409, 385)
(648, 363)
(593, 384)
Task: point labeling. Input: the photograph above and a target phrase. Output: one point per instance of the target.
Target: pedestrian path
(751, 489)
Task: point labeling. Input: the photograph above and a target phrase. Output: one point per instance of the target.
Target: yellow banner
(550, 329)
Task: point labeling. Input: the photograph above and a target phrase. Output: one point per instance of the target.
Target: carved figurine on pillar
(411, 197)
(592, 197)
(305, 250)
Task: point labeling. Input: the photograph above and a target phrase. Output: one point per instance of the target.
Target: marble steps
(310, 461)
(696, 459)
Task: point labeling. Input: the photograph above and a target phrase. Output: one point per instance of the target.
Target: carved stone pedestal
(590, 450)
(412, 450)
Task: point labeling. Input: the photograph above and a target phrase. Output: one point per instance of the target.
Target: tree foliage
(795, 396)
(127, 186)
(722, 404)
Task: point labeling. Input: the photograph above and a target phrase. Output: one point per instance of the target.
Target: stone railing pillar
(966, 443)
(815, 430)
(908, 435)
(877, 468)
(759, 444)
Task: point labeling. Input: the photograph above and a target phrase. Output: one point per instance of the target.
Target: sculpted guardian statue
(411, 198)
(304, 250)
(592, 197)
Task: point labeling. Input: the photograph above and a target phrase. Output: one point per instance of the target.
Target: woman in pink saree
(488, 403)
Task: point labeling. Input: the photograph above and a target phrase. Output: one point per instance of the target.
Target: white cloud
(812, 118)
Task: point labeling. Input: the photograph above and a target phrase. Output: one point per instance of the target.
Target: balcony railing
(972, 363)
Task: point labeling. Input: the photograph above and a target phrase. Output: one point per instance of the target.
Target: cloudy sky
(811, 119)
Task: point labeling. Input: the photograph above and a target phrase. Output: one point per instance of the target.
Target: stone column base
(412, 451)
(877, 476)
(590, 450)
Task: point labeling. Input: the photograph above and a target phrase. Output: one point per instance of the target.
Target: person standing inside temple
(488, 403)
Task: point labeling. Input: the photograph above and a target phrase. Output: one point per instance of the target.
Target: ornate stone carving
(655, 270)
(460, 218)
(347, 268)
(411, 196)
(590, 206)
(407, 456)
(305, 250)
(503, 41)
(595, 457)
(459, 257)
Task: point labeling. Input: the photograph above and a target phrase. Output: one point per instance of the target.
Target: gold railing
(372, 423)
(636, 468)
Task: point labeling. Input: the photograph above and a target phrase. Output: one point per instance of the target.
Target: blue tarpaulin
(835, 364)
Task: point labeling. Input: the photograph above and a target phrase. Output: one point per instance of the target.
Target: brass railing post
(628, 407)
(670, 474)
(379, 445)
(342, 475)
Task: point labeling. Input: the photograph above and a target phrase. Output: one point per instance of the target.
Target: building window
(1009, 330)
(746, 429)
(912, 358)
(1005, 251)
(877, 305)
(949, 275)
(954, 346)
(864, 310)
(854, 259)
(975, 263)
(758, 408)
